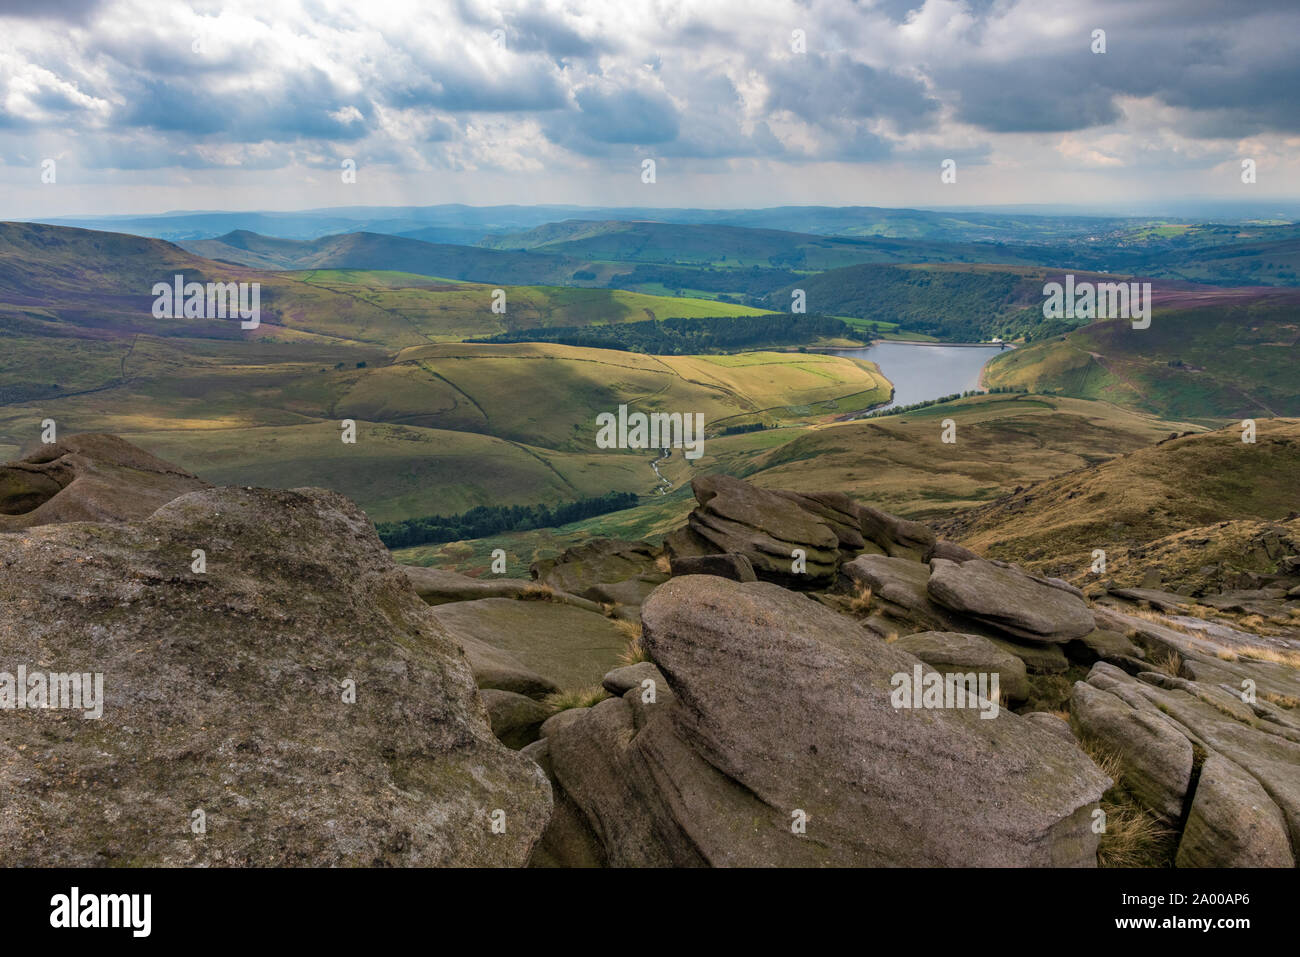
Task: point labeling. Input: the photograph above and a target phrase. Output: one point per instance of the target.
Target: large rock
(500, 670)
(566, 646)
(952, 651)
(767, 528)
(773, 706)
(735, 567)
(516, 719)
(88, 478)
(438, 586)
(604, 570)
(1261, 740)
(1233, 822)
(1157, 758)
(224, 693)
(1009, 600)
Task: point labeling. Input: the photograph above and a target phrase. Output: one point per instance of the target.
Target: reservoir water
(923, 371)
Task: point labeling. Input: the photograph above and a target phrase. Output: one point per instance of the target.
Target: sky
(145, 106)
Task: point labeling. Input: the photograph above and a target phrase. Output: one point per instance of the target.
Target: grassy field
(896, 463)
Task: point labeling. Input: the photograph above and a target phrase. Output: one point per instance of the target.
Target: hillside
(376, 251)
(1186, 483)
(1213, 354)
(739, 247)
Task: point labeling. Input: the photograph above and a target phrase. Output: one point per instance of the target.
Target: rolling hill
(1183, 483)
(1210, 354)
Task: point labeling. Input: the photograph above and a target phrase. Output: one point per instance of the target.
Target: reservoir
(920, 371)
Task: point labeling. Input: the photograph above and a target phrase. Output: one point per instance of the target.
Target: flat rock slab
(948, 651)
(568, 646)
(1010, 600)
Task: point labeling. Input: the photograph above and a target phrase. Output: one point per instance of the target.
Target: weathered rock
(1038, 659)
(622, 680)
(604, 570)
(1052, 723)
(952, 651)
(735, 567)
(437, 586)
(225, 691)
(567, 646)
(949, 551)
(898, 592)
(568, 840)
(898, 537)
(1233, 822)
(494, 668)
(1010, 601)
(1156, 756)
(515, 718)
(778, 704)
(767, 528)
(1102, 643)
(559, 720)
(88, 478)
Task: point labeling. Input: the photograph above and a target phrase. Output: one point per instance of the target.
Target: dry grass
(1133, 837)
(1278, 656)
(860, 602)
(1281, 700)
(537, 592)
(635, 651)
(891, 637)
(575, 698)
(1171, 662)
(663, 564)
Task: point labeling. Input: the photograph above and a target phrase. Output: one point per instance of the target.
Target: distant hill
(735, 246)
(861, 221)
(377, 251)
(1183, 483)
(1212, 353)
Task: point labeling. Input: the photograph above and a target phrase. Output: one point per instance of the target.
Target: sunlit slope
(1182, 483)
(550, 394)
(1222, 356)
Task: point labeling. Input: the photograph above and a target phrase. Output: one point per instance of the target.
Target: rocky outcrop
(1255, 786)
(604, 571)
(296, 698)
(88, 478)
(1009, 600)
(1233, 822)
(735, 567)
(953, 651)
(772, 739)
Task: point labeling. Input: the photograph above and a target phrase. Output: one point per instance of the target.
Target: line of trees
(672, 337)
(484, 520)
(898, 409)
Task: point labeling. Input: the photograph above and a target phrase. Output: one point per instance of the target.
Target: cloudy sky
(149, 105)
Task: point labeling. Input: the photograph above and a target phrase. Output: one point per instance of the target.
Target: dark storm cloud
(823, 86)
(1227, 65)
